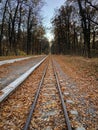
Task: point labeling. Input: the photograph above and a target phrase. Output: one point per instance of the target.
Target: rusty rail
(62, 100)
(37, 95)
(35, 100)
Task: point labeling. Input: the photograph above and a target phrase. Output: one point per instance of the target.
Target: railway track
(48, 111)
(36, 106)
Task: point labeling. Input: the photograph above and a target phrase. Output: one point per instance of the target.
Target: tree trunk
(86, 28)
(13, 33)
(93, 44)
(2, 26)
(28, 31)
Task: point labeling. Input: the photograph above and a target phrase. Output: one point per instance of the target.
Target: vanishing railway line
(47, 110)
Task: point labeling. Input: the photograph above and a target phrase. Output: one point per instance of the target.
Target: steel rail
(28, 121)
(62, 100)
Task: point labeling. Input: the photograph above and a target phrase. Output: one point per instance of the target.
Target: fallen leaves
(14, 111)
(48, 112)
(85, 93)
(1, 92)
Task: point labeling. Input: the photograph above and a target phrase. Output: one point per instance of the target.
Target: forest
(76, 28)
(21, 29)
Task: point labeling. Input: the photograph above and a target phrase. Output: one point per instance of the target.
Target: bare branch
(92, 5)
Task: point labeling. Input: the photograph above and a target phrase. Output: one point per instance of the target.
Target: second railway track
(48, 111)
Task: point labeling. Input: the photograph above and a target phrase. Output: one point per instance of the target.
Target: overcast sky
(48, 12)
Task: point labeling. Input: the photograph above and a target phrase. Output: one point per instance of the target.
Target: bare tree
(2, 25)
